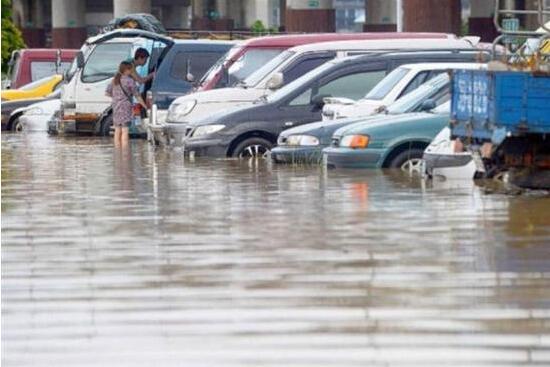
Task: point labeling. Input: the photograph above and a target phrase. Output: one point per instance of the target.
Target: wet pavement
(143, 259)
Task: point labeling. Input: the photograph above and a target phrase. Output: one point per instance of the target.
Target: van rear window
(199, 63)
(42, 69)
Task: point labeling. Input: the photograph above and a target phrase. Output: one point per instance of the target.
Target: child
(121, 90)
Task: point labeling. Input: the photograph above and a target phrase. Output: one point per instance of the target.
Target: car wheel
(106, 124)
(16, 125)
(253, 148)
(409, 160)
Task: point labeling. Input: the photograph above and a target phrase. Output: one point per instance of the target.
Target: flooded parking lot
(144, 259)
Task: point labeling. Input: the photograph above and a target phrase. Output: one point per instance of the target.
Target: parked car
(304, 144)
(29, 65)
(86, 108)
(395, 85)
(396, 142)
(36, 116)
(36, 89)
(186, 62)
(247, 57)
(253, 130)
(12, 110)
(285, 68)
(176, 75)
(442, 159)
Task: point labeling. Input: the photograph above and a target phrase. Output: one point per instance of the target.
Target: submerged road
(143, 259)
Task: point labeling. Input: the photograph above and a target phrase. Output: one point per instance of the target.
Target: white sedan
(395, 85)
(36, 116)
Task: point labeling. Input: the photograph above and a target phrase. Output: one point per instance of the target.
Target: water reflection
(141, 258)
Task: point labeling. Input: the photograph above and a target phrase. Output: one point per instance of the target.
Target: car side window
(302, 67)
(303, 99)
(104, 60)
(354, 85)
(199, 62)
(416, 82)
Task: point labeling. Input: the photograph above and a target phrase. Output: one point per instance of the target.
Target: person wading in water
(121, 91)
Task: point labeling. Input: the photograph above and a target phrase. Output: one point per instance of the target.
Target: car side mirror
(276, 81)
(427, 105)
(188, 74)
(80, 59)
(319, 100)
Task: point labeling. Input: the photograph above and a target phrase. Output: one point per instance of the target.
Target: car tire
(408, 160)
(106, 123)
(253, 148)
(16, 125)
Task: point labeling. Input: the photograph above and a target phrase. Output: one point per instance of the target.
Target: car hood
(222, 95)
(390, 124)
(324, 129)
(6, 105)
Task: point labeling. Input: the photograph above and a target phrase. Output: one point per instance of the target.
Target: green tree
(12, 39)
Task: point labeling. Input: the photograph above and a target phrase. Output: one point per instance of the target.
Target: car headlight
(207, 129)
(34, 111)
(355, 141)
(178, 111)
(303, 140)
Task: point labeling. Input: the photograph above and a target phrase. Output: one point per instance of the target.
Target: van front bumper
(296, 154)
(214, 148)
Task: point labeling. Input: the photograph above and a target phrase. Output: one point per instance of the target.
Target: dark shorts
(121, 124)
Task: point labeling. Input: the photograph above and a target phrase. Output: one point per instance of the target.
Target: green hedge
(12, 39)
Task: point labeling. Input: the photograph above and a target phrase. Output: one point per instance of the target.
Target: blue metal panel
(487, 100)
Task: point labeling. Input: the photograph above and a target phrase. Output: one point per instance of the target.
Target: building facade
(66, 23)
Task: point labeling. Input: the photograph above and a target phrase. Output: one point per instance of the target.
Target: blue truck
(505, 116)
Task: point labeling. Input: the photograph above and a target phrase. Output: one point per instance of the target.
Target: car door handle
(289, 123)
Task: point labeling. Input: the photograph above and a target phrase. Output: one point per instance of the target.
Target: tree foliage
(12, 39)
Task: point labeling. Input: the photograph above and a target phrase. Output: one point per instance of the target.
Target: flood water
(144, 259)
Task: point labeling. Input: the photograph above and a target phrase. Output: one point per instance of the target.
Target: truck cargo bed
(510, 102)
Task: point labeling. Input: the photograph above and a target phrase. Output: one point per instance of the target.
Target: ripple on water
(146, 259)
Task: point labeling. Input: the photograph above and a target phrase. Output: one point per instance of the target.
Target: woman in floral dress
(121, 90)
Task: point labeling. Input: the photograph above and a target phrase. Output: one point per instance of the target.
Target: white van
(286, 67)
(83, 100)
(395, 85)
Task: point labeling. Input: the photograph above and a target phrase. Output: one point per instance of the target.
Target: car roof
(206, 42)
(48, 52)
(301, 39)
(385, 44)
(399, 55)
(443, 65)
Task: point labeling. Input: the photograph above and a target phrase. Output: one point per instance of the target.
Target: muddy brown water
(149, 260)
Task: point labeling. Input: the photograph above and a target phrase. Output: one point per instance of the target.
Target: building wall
(432, 16)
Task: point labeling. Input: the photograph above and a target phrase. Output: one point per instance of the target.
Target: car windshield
(426, 90)
(14, 65)
(249, 62)
(296, 84)
(36, 83)
(382, 89)
(254, 78)
(215, 69)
